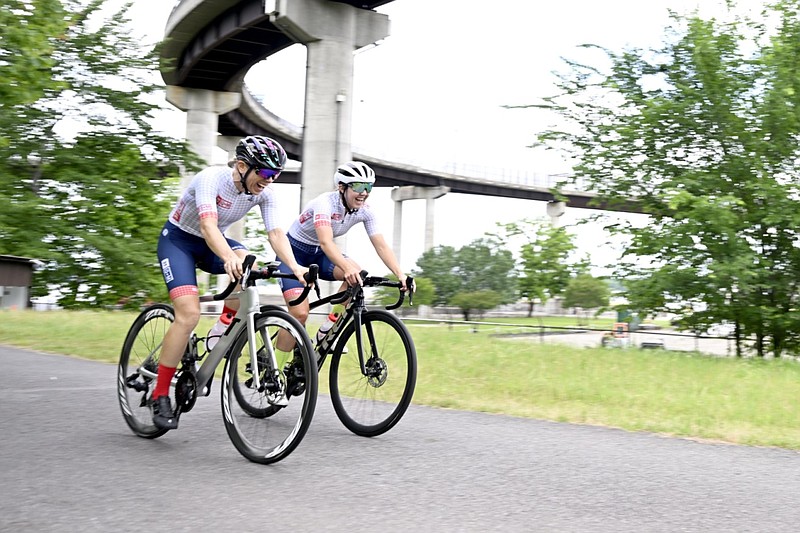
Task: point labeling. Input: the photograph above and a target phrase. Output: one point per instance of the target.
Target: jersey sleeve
(321, 211)
(206, 194)
(269, 210)
(371, 222)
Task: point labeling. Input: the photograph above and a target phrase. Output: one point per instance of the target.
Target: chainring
(185, 391)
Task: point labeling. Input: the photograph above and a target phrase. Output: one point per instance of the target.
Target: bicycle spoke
(138, 366)
(265, 423)
(371, 402)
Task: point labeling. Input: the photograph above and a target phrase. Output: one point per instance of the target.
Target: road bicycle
(257, 380)
(373, 368)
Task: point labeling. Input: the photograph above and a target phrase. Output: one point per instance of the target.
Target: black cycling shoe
(163, 416)
(295, 376)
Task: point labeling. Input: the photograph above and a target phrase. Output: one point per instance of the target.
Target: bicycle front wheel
(138, 367)
(267, 418)
(370, 401)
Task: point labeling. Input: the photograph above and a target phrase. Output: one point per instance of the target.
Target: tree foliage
(587, 292)
(481, 265)
(475, 301)
(544, 263)
(85, 181)
(703, 135)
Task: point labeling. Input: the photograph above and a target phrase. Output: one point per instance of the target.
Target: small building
(16, 274)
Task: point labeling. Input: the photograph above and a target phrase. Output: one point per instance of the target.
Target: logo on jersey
(336, 216)
(223, 203)
(176, 216)
(167, 270)
(303, 218)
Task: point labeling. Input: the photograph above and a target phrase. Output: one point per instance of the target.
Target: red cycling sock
(165, 374)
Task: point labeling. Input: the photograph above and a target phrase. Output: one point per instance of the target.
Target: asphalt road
(69, 463)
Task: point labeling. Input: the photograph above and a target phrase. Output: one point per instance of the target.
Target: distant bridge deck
(211, 44)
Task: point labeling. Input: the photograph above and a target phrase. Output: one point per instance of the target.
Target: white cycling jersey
(327, 210)
(212, 193)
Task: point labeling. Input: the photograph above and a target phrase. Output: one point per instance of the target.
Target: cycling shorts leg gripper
(183, 290)
(292, 293)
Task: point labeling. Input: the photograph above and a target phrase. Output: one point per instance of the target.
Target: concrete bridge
(210, 45)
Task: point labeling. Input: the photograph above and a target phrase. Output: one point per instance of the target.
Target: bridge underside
(212, 44)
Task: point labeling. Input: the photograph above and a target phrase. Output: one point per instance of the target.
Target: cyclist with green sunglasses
(331, 215)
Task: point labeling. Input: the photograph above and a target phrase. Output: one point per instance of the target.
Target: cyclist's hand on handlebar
(353, 275)
(300, 274)
(404, 287)
(233, 267)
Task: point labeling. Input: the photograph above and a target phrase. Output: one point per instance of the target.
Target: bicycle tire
(371, 405)
(142, 349)
(261, 431)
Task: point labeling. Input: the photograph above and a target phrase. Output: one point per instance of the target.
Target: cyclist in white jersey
(331, 215)
(193, 238)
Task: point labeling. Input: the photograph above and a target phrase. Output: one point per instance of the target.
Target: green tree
(702, 135)
(29, 25)
(586, 292)
(439, 265)
(544, 259)
(477, 301)
(481, 265)
(85, 181)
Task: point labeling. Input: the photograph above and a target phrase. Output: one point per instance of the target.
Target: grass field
(743, 401)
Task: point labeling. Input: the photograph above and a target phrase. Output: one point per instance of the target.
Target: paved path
(69, 463)
(669, 340)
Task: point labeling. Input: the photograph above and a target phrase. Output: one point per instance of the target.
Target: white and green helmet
(354, 171)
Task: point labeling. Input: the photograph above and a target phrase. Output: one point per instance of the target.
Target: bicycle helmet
(354, 171)
(261, 152)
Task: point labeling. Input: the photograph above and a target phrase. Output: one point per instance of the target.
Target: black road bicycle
(373, 368)
(257, 381)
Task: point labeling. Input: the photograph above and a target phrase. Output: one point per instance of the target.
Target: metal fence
(593, 337)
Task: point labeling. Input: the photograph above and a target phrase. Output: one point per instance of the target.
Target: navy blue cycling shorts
(181, 253)
(306, 255)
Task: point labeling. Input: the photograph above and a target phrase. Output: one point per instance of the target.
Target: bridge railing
(516, 176)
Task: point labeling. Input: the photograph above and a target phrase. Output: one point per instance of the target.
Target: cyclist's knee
(300, 312)
(187, 312)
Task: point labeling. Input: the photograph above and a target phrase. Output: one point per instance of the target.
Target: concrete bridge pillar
(331, 32)
(555, 210)
(203, 108)
(400, 195)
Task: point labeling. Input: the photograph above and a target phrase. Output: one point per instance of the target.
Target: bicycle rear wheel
(370, 403)
(138, 367)
(266, 423)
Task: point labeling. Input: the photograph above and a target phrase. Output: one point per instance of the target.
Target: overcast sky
(432, 94)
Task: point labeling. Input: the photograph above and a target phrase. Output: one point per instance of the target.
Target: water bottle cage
(327, 339)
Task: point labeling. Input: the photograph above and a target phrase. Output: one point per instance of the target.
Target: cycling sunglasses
(360, 186)
(267, 173)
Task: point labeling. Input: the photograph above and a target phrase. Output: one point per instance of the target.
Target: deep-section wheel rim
(138, 365)
(262, 432)
(371, 404)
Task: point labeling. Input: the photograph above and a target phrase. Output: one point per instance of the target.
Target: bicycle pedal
(133, 383)
(281, 401)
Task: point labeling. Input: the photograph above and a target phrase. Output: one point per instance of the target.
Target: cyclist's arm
(282, 248)
(352, 275)
(219, 245)
(387, 256)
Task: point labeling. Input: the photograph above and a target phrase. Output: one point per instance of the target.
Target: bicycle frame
(249, 305)
(352, 312)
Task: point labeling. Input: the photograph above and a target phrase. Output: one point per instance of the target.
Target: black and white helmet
(261, 152)
(354, 171)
